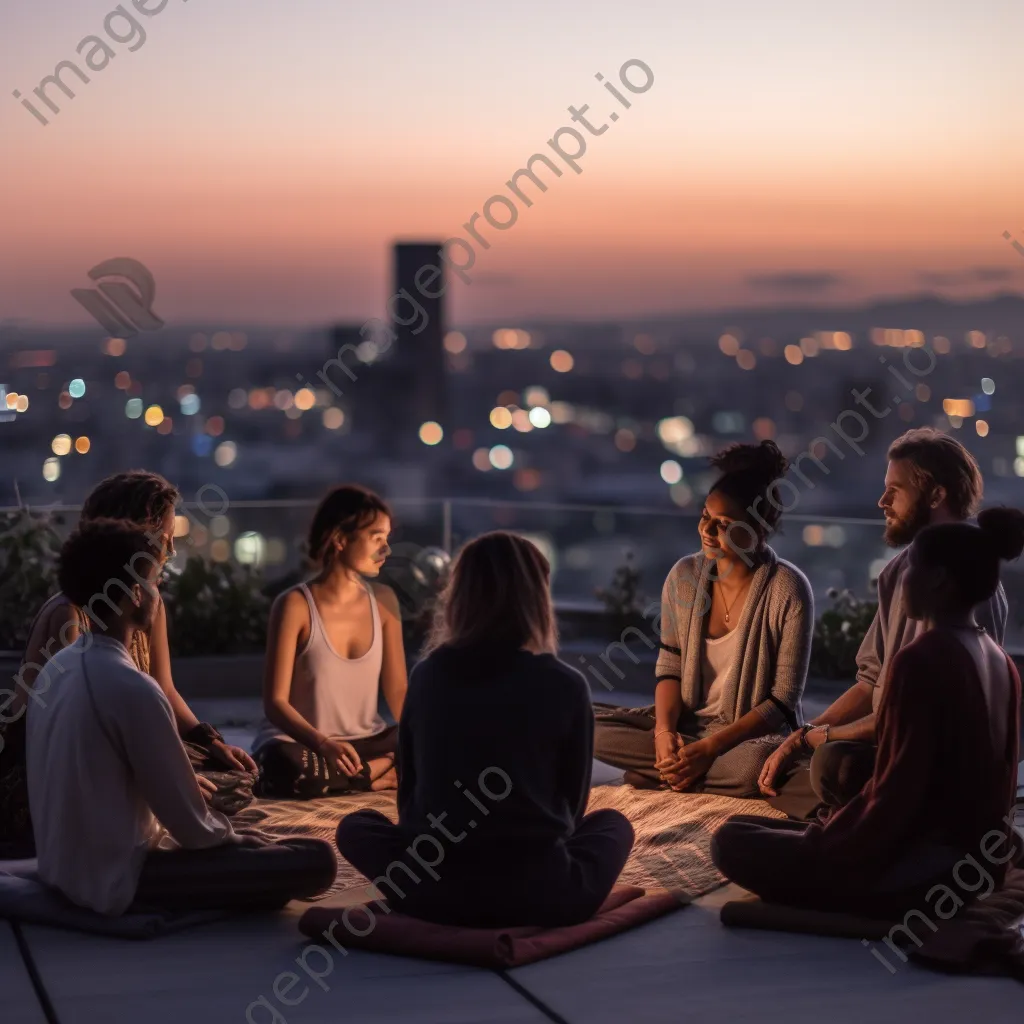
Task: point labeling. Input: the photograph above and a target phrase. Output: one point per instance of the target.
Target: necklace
(729, 607)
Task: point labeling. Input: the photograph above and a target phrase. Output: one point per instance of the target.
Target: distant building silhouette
(416, 309)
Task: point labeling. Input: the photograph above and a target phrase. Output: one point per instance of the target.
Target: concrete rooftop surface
(685, 966)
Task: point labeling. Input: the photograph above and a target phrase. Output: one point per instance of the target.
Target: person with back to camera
(931, 478)
(945, 775)
(735, 627)
(526, 854)
(334, 646)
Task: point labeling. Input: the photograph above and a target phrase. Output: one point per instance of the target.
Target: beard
(903, 530)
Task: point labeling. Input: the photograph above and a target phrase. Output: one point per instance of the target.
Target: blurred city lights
(76, 389)
(225, 453)
(671, 471)
(154, 415)
(501, 456)
(431, 433)
(501, 418)
(133, 408)
(988, 385)
(250, 548)
(51, 470)
(305, 399)
(61, 444)
(454, 343)
(333, 418)
(190, 405)
(561, 361)
(82, 445)
(540, 417)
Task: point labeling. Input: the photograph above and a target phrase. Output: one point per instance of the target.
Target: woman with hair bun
(946, 772)
(735, 627)
(334, 646)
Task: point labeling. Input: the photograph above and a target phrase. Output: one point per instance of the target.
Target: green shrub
(29, 546)
(838, 634)
(215, 608)
(622, 599)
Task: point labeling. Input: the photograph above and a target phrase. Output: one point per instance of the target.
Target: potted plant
(29, 546)
(838, 634)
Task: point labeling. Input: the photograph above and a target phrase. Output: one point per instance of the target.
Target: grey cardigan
(774, 646)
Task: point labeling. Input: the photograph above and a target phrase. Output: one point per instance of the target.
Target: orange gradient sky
(260, 156)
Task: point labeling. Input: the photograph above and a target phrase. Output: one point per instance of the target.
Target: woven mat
(673, 831)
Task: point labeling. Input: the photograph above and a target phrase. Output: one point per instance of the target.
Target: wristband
(203, 735)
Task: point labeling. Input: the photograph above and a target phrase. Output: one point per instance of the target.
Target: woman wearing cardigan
(735, 625)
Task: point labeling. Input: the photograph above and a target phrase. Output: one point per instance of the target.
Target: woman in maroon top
(946, 773)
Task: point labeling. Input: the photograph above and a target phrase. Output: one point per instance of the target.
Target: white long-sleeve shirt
(100, 794)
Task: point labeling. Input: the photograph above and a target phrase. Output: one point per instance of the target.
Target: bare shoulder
(387, 600)
(290, 609)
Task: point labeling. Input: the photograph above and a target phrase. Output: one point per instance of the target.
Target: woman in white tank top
(334, 646)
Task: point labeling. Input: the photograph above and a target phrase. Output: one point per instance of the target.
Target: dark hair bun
(763, 460)
(1005, 529)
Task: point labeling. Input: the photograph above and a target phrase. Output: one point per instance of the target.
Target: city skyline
(261, 160)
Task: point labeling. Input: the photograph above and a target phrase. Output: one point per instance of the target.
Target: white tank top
(337, 696)
(716, 663)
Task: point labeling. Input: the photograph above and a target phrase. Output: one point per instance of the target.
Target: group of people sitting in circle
(126, 798)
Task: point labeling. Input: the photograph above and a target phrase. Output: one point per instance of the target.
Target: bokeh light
(225, 453)
(501, 456)
(61, 444)
(561, 361)
(333, 418)
(76, 389)
(51, 470)
(431, 433)
(671, 471)
(154, 415)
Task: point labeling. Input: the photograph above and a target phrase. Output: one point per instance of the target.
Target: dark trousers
(290, 771)
(624, 737)
(830, 778)
(490, 885)
(766, 856)
(232, 877)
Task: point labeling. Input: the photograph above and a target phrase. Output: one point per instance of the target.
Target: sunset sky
(260, 156)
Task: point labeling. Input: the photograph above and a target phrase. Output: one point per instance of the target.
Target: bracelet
(660, 732)
(203, 735)
(804, 730)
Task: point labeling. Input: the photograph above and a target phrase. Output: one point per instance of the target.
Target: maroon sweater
(937, 777)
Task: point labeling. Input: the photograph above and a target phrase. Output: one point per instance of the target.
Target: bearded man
(931, 478)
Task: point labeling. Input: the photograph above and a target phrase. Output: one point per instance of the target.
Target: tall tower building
(416, 310)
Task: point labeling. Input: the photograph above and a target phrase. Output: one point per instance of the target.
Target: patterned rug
(673, 831)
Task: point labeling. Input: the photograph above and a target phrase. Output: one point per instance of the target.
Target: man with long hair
(931, 479)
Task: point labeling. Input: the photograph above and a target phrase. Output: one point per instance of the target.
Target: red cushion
(626, 907)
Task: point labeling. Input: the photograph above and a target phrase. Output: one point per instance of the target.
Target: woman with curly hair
(735, 628)
(146, 500)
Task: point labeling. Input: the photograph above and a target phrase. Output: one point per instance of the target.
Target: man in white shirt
(118, 814)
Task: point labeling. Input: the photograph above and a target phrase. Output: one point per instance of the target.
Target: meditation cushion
(372, 928)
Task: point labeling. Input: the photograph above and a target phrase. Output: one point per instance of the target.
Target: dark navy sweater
(512, 730)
